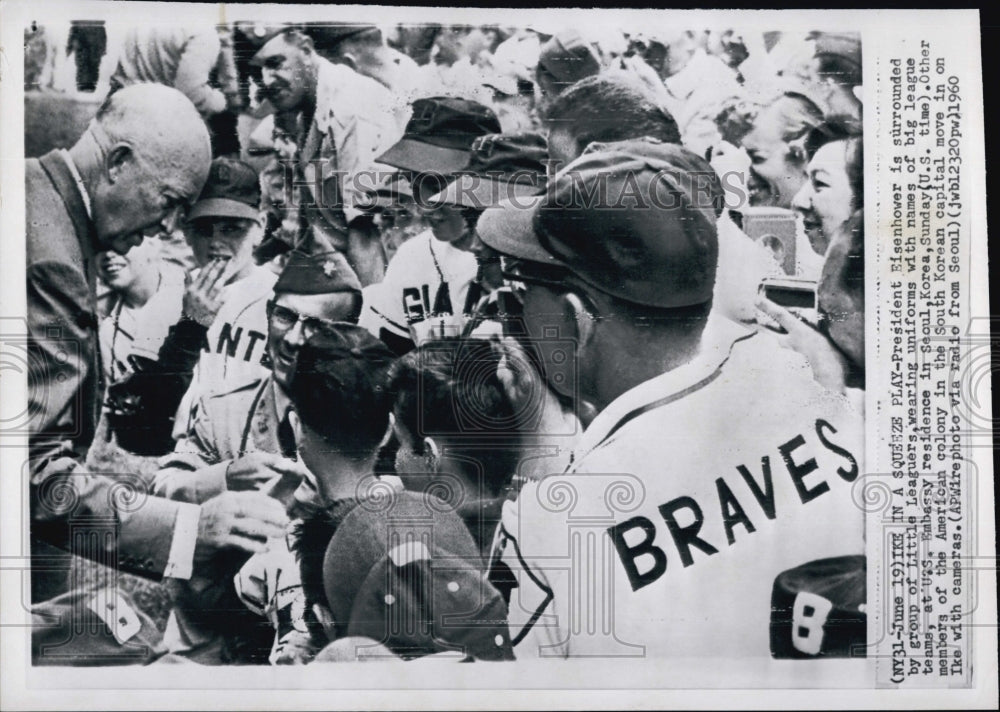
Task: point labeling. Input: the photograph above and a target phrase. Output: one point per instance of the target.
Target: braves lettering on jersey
(689, 495)
(235, 344)
(426, 280)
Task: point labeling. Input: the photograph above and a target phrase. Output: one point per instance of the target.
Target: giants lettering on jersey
(417, 302)
(797, 464)
(232, 343)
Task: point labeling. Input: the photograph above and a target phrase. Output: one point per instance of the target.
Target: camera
(774, 228)
(796, 295)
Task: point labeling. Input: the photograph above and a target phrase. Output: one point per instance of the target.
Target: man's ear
(432, 453)
(325, 619)
(116, 160)
(293, 420)
(579, 316)
(388, 432)
(349, 59)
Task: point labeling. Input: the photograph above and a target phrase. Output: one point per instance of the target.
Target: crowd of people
(389, 308)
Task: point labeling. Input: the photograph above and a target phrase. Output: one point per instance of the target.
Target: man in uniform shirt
(240, 439)
(713, 457)
(430, 273)
(234, 430)
(339, 121)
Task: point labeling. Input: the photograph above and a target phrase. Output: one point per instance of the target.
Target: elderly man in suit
(142, 160)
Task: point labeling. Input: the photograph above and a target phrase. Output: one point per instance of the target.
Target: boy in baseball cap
(225, 223)
(427, 277)
(499, 166)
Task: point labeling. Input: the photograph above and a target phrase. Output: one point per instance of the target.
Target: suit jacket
(71, 507)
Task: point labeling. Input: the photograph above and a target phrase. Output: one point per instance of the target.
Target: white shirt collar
(84, 195)
(717, 340)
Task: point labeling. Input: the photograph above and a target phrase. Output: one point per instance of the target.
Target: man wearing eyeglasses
(242, 439)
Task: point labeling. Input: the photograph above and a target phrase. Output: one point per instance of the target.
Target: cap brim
(509, 229)
(421, 157)
(264, 41)
(222, 208)
(481, 192)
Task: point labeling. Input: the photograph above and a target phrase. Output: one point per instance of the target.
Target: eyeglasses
(517, 274)
(311, 325)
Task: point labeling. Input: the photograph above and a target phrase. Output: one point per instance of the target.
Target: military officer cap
(324, 273)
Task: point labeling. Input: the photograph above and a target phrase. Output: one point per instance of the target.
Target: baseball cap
(569, 57)
(324, 273)
(408, 574)
(633, 219)
(438, 136)
(395, 190)
(839, 584)
(232, 191)
(501, 166)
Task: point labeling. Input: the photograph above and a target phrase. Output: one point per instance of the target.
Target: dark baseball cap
(569, 57)
(439, 135)
(501, 166)
(394, 191)
(406, 572)
(326, 273)
(633, 219)
(232, 191)
(842, 583)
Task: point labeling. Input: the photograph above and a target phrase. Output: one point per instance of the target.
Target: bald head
(144, 159)
(163, 126)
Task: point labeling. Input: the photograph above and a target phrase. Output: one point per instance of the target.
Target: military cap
(323, 273)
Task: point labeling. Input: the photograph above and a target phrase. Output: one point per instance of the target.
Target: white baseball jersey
(237, 341)
(139, 330)
(427, 280)
(689, 494)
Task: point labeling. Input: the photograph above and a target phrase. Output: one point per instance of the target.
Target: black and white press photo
(384, 349)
